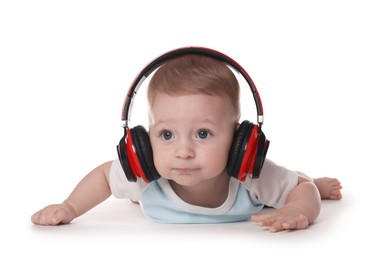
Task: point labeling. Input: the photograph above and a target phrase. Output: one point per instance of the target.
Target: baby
(194, 113)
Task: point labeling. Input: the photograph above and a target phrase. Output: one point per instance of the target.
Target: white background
(322, 70)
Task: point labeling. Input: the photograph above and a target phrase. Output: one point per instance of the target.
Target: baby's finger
(268, 221)
(56, 218)
(276, 226)
(296, 223)
(48, 218)
(260, 217)
(35, 217)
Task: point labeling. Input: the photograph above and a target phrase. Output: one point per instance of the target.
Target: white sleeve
(121, 187)
(273, 185)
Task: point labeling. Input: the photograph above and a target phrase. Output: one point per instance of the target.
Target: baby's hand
(54, 215)
(286, 218)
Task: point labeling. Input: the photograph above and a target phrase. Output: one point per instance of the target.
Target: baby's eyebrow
(209, 122)
(158, 123)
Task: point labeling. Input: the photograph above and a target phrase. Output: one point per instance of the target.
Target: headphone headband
(153, 65)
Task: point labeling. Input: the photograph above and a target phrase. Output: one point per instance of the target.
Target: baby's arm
(91, 190)
(302, 207)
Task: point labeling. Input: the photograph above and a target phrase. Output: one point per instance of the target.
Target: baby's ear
(237, 126)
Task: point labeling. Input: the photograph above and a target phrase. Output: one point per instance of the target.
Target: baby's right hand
(54, 215)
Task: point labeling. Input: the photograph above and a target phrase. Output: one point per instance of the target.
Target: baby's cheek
(218, 163)
(160, 166)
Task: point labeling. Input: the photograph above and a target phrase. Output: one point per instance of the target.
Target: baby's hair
(195, 74)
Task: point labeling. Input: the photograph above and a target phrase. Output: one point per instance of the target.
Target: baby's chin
(185, 180)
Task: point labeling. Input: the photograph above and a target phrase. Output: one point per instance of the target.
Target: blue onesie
(160, 203)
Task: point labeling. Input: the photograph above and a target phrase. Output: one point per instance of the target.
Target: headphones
(249, 146)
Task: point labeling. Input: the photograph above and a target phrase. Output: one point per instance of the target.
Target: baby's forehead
(174, 96)
(190, 110)
(174, 104)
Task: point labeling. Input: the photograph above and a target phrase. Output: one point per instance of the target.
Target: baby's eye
(166, 135)
(203, 134)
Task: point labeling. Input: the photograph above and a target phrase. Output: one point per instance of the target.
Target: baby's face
(191, 136)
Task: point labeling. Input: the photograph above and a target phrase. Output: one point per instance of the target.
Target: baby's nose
(185, 150)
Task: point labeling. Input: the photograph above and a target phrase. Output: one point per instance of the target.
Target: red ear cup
(124, 158)
(248, 151)
(262, 149)
(136, 155)
(237, 149)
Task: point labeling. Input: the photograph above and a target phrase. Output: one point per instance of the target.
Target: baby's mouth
(185, 170)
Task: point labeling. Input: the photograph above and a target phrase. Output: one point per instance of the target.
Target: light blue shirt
(160, 203)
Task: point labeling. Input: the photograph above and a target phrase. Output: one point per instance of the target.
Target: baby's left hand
(286, 218)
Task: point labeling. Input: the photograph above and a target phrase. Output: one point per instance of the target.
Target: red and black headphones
(248, 149)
